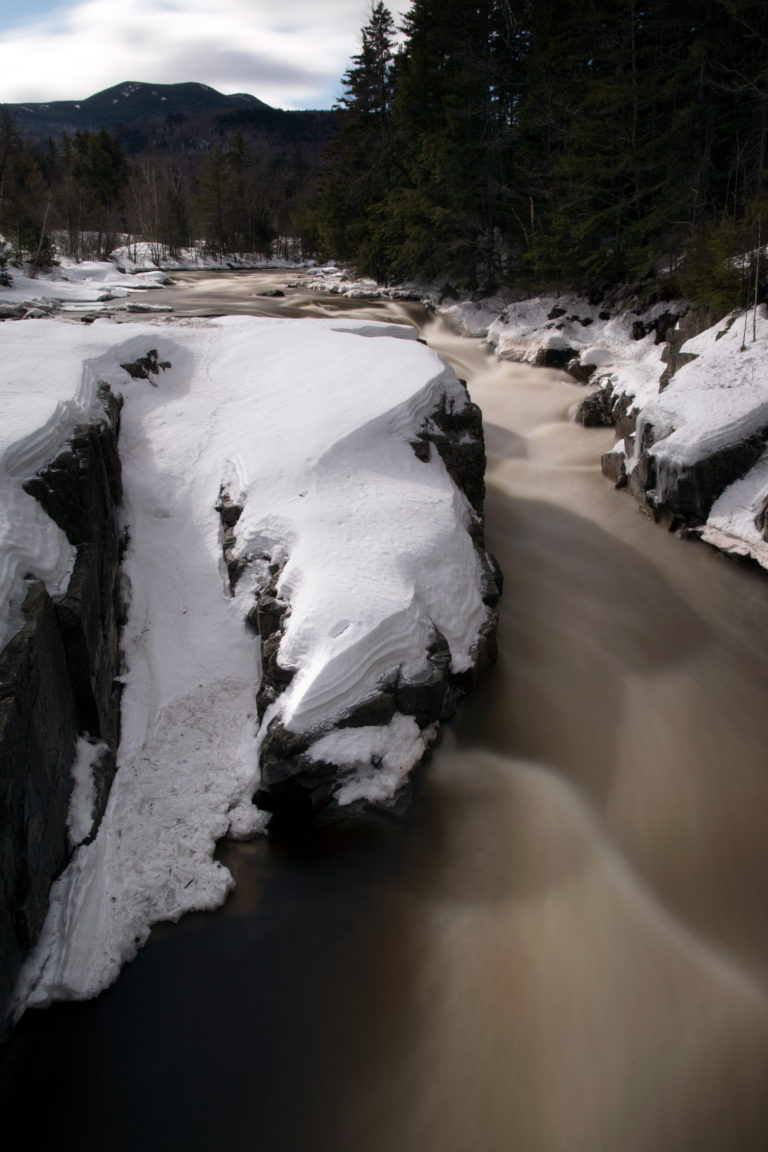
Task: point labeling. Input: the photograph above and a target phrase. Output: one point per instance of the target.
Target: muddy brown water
(564, 948)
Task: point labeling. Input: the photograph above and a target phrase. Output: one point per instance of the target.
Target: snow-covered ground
(94, 285)
(143, 257)
(71, 285)
(307, 424)
(716, 401)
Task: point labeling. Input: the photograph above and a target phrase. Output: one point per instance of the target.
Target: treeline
(583, 143)
(84, 190)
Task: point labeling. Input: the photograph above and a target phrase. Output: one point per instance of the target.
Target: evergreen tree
(582, 144)
(230, 201)
(99, 173)
(360, 165)
(24, 199)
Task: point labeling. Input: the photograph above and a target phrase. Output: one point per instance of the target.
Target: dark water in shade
(565, 946)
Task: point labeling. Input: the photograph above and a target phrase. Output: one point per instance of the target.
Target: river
(564, 948)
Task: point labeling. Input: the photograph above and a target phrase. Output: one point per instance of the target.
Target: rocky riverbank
(687, 393)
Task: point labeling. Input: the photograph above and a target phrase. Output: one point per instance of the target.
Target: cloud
(290, 56)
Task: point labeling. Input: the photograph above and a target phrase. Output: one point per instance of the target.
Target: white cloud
(290, 55)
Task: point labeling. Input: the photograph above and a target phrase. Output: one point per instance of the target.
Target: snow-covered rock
(342, 281)
(309, 462)
(694, 448)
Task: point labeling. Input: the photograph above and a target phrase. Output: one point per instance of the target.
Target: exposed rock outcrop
(58, 679)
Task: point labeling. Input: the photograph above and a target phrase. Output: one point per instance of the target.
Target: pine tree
(360, 165)
(100, 173)
(444, 213)
(24, 199)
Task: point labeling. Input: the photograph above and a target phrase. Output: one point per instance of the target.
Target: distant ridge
(140, 114)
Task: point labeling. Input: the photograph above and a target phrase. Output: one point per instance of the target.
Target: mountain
(168, 117)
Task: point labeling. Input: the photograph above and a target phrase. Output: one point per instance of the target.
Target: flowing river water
(564, 948)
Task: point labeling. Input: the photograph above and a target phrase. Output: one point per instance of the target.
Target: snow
(142, 257)
(340, 281)
(716, 400)
(731, 524)
(45, 392)
(80, 814)
(308, 424)
(71, 283)
(377, 758)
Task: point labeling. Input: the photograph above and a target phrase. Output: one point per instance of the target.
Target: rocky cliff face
(58, 680)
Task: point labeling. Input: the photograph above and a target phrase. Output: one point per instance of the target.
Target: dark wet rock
(145, 367)
(422, 450)
(447, 292)
(581, 373)
(491, 581)
(38, 731)
(423, 695)
(555, 313)
(625, 420)
(12, 311)
(555, 357)
(596, 410)
(457, 434)
(58, 678)
(614, 468)
(275, 292)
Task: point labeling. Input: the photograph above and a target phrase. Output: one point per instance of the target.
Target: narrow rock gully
(564, 947)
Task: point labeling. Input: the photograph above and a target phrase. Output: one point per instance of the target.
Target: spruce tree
(360, 165)
(451, 115)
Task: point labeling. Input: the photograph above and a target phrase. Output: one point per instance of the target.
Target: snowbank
(308, 427)
(341, 281)
(141, 257)
(72, 284)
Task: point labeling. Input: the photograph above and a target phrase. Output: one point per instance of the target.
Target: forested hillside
(174, 164)
(586, 143)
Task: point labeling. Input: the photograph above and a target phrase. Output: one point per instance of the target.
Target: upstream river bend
(565, 946)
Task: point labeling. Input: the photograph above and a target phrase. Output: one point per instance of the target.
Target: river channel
(564, 947)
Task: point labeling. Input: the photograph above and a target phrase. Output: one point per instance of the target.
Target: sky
(288, 53)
